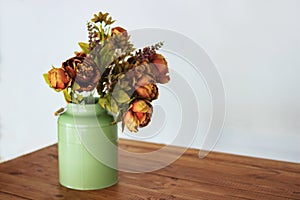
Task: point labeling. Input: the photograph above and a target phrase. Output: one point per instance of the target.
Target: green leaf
(108, 107)
(67, 96)
(46, 78)
(114, 106)
(79, 97)
(102, 102)
(104, 50)
(124, 84)
(85, 47)
(121, 96)
(75, 86)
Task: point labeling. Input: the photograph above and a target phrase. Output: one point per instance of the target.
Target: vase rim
(84, 109)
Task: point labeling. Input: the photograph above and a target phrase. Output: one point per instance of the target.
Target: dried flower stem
(109, 78)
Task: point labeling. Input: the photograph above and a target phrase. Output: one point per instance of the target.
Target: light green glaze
(80, 128)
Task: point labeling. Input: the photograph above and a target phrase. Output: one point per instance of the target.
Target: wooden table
(218, 176)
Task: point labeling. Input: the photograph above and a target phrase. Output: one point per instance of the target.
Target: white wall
(255, 45)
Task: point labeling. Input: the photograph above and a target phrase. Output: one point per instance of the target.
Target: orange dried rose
(149, 91)
(131, 121)
(160, 68)
(59, 79)
(143, 111)
(140, 106)
(138, 115)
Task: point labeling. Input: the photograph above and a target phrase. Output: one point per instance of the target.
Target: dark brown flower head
(70, 65)
(83, 70)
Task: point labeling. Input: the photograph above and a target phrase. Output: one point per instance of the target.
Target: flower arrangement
(110, 71)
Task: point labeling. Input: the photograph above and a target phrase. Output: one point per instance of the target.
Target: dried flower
(138, 115)
(144, 79)
(160, 68)
(119, 30)
(147, 52)
(59, 79)
(102, 17)
(149, 91)
(143, 111)
(126, 79)
(131, 121)
(83, 70)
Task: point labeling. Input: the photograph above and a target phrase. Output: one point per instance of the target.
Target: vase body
(87, 148)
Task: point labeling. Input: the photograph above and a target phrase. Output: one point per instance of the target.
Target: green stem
(102, 34)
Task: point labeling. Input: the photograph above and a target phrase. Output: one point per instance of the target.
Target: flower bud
(118, 30)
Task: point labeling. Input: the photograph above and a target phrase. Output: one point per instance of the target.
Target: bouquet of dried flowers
(125, 79)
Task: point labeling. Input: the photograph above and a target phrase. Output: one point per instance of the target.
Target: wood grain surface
(218, 176)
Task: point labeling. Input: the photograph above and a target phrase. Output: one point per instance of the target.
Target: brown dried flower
(160, 68)
(59, 79)
(83, 70)
(119, 30)
(149, 91)
(138, 115)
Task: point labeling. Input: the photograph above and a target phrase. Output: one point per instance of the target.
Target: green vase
(87, 148)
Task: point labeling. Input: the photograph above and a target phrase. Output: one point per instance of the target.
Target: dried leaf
(85, 47)
(114, 106)
(46, 79)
